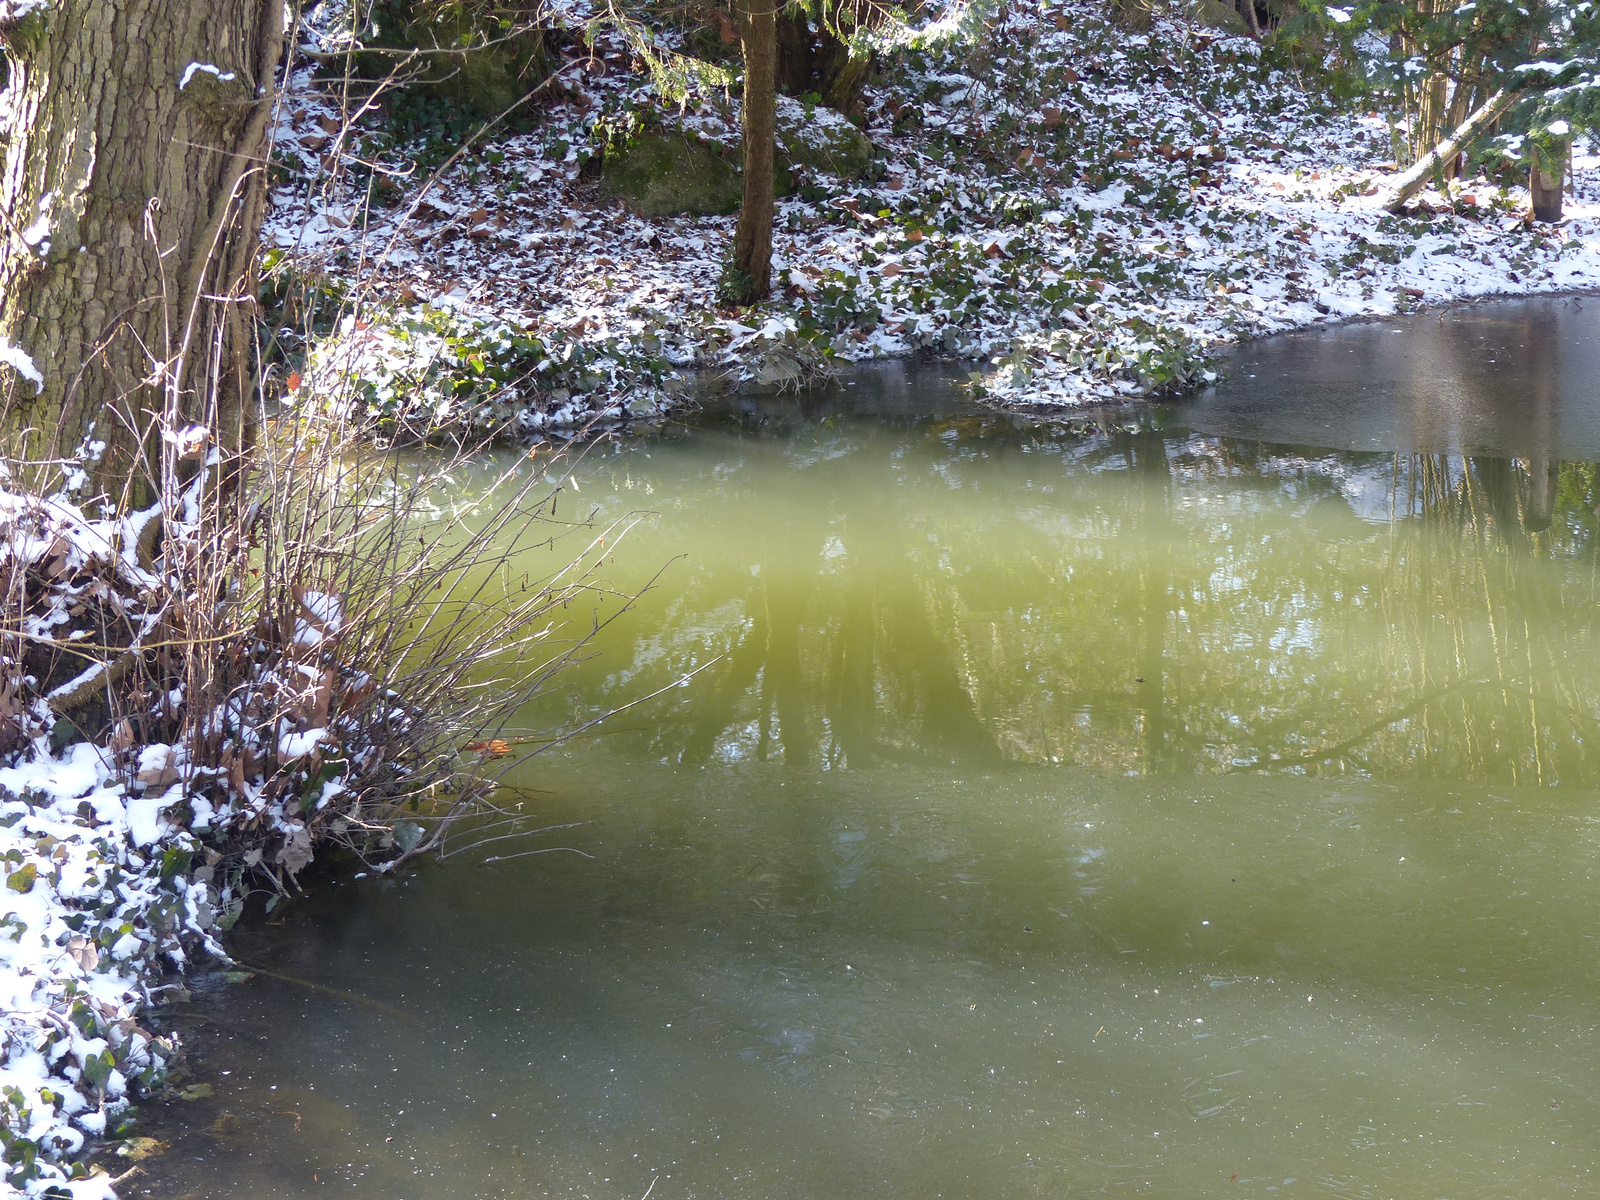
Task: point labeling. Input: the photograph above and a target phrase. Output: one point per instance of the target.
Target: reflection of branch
(1340, 749)
(340, 993)
(518, 833)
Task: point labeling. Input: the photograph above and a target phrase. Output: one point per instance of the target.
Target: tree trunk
(820, 61)
(133, 190)
(1413, 180)
(1545, 182)
(845, 82)
(1247, 9)
(752, 242)
(796, 45)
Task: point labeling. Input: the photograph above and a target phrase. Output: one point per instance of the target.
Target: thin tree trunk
(1546, 182)
(1417, 177)
(752, 242)
(133, 188)
(1461, 97)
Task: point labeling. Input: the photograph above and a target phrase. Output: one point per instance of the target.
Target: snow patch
(195, 68)
(19, 362)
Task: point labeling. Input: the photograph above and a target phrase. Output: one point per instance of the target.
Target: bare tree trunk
(1248, 10)
(752, 242)
(133, 189)
(1546, 183)
(1430, 114)
(1413, 180)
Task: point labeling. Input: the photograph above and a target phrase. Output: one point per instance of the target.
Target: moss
(484, 71)
(1218, 15)
(819, 138)
(661, 175)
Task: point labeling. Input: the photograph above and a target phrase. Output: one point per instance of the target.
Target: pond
(1193, 803)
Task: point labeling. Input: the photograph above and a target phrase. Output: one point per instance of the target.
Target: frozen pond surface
(1513, 377)
(1198, 807)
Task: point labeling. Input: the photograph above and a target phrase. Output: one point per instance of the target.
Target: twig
(526, 853)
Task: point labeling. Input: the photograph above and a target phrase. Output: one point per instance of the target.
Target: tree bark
(1546, 182)
(133, 188)
(752, 241)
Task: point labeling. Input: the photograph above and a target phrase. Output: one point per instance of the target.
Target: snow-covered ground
(1084, 213)
(101, 897)
(90, 923)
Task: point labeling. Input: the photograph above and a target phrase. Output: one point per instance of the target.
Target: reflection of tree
(897, 642)
(1131, 600)
(842, 654)
(1505, 705)
(1152, 498)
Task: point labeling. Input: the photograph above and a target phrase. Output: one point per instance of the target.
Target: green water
(1061, 810)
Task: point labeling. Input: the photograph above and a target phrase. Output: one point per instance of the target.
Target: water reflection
(1514, 378)
(976, 590)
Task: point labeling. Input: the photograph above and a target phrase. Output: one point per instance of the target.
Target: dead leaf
(233, 764)
(295, 852)
(160, 773)
(57, 561)
(83, 952)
